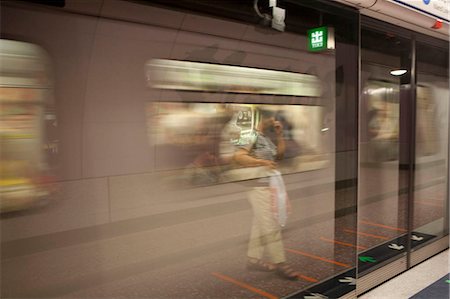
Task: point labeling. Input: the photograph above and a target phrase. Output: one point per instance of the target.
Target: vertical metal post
(359, 122)
(407, 143)
(447, 194)
(412, 151)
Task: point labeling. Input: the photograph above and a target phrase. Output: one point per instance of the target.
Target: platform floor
(413, 281)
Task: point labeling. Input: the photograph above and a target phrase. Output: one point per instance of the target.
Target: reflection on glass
(199, 140)
(379, 164)
(272, 165)
(430, 185)
(386, 165)
(268, 196)
(427, 131)
(381, 211)
(382, 118)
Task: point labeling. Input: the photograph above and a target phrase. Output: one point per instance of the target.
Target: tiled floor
(409, 283)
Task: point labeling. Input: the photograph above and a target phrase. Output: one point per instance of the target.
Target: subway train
(122, 133)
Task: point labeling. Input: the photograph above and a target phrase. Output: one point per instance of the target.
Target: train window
(199, 139)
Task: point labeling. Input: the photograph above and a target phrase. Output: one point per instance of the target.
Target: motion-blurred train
(183, 103)
(27, 124)
(186, 102)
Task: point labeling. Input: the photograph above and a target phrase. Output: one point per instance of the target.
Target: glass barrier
(382, 211)
(431, 173)
(198, 156)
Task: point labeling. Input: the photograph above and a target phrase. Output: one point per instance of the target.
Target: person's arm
(242, 157)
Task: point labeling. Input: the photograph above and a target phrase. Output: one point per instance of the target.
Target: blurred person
(383, 131)
(265, 235)
(426, 120)
(204, 168)
(292, 147)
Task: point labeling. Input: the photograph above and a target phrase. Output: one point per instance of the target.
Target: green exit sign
(321, 38)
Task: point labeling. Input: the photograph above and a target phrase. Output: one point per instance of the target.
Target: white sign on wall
(435, 8)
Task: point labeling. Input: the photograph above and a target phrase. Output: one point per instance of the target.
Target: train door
(403, 146)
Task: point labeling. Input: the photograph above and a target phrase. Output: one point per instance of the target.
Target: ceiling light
(398, 72)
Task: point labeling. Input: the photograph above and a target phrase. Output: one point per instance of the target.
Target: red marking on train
(366, 234)
(318, 257)
(342, 243)
(383, 226)
(244, 285)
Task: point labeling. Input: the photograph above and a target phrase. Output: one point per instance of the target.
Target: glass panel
(196, 182)
(432, 114)
(382, 212)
